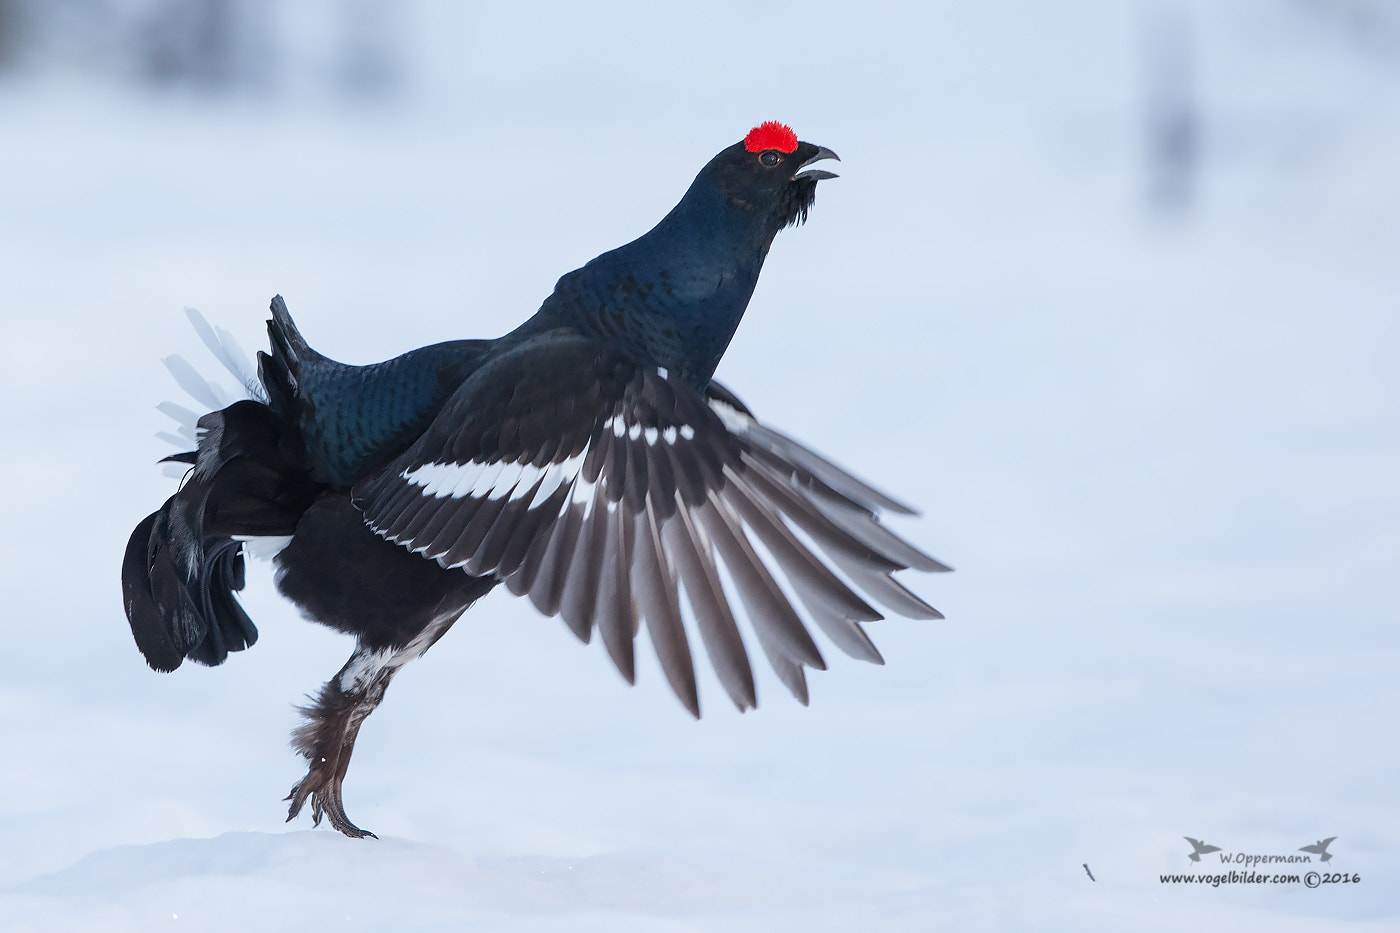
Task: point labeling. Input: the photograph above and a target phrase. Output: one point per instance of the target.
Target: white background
(1160, 447)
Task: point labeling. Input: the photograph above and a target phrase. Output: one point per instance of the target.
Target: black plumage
(586, 460)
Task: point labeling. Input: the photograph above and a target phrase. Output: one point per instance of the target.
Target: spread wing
(609, 494)
(1319, 847)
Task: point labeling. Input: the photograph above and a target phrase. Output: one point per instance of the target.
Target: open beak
(817, 174)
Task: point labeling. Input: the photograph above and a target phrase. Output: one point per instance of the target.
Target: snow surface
(1161, 451)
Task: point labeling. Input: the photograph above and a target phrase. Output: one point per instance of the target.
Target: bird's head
(768, 175)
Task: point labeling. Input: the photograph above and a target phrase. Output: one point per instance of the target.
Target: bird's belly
(341, 574)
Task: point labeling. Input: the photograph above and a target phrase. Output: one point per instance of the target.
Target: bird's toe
(321, 786)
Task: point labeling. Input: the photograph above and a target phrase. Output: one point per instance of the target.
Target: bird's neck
(674, 296)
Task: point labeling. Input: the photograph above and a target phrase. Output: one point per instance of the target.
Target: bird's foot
(322, 787)
(327, 740)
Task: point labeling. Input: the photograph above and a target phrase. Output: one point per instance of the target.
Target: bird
(586, 461)
(1200, 848)
(1320, 848)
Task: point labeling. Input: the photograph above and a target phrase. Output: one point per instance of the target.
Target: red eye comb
(771, 135)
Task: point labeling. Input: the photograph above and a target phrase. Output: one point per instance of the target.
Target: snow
(1159, 447)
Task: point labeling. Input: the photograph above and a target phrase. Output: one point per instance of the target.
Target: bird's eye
(770, 157)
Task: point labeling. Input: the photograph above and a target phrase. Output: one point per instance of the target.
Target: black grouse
(586, 460)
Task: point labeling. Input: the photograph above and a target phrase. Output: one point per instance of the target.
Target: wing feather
(579, 595)
(772, 615)
(610, 494)
(446, 527)
(547, 591)
(813, 578)
(689, 551)
(613, 611)
(655, 583)
(533, 526)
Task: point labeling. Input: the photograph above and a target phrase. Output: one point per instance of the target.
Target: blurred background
(1108, 288)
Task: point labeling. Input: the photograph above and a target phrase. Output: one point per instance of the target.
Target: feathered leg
(327, 737)
(395, 603)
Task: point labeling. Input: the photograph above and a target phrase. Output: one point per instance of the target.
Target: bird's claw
(323, 789)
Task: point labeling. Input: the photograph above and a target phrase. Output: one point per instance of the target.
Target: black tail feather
(157, 633)
(184, 563)
(280, 370)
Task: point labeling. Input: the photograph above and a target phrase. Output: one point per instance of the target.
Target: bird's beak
(817, 174)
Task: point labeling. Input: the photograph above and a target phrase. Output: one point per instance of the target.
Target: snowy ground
(1162, 454)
